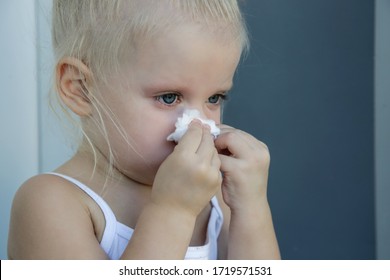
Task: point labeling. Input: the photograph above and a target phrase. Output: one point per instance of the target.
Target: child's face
(184, 68)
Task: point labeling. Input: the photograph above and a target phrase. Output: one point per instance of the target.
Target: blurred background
(315, 88)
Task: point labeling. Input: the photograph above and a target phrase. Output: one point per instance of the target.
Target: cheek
(154, 138)
(155, 128)
(150, 139)
(149, 149)
(152, 149)
(215, 115)
(156, 150)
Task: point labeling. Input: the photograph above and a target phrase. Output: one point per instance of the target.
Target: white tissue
(183, 122)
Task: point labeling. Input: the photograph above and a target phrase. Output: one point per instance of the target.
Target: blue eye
(168, 98)
(216, 98)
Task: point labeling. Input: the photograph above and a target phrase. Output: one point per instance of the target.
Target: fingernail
(205, 125)
(196, 122)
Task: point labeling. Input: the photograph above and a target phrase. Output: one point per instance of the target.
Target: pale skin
(162, 190)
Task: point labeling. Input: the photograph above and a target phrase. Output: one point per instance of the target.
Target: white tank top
(116, 235)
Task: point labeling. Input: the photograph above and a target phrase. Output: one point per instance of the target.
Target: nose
(201, 111)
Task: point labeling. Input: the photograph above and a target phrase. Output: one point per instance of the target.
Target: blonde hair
(101, 32)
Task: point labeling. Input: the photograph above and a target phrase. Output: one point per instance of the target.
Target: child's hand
(244, 163)
(190, 176)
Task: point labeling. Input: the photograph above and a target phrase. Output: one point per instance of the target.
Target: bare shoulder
(49, 220)
(43, 189)
(45, 195)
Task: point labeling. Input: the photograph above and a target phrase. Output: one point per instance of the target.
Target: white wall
(30, 139)
(18, 106)
(53, 141)
(382, 127)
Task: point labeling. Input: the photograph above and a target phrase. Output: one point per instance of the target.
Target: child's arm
(245, 163)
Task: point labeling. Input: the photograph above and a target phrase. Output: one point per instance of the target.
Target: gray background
(307, 91)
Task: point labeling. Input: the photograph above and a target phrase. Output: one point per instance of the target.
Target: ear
(73, 78)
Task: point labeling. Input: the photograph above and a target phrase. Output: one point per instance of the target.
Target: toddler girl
(128, 70)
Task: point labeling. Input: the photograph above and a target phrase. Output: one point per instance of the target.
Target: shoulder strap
(109, 216)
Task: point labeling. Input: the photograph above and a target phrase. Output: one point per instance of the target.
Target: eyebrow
(167, 87)
(226, 90)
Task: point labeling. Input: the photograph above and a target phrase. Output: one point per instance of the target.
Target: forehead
(148, 18)
(186, 56)
(143, 24)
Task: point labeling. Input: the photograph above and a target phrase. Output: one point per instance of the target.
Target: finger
(233, 144)
(228, 129)
(192, 138)
(230, 144)
(252, 141)
(215, 160)
(206, 147)
(247, 136)
(228, 164)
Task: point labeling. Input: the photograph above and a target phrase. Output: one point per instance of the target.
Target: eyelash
(159, 98)
(221, 98)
